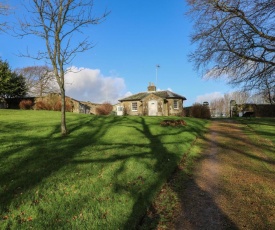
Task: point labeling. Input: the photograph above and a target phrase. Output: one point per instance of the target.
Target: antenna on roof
(157, 66)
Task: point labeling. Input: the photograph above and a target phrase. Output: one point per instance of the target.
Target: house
(152, 103)
(92, 106)
(52, 101)
(79, 106)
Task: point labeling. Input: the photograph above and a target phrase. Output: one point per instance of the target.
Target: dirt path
(232, 185)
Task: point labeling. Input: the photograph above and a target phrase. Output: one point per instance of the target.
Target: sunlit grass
(249, 184)
(104, 175)
(264, 127)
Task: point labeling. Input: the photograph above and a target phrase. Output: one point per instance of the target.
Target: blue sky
(135, 37)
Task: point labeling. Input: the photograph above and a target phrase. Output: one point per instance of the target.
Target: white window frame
(119, 108)
(176, 104)
(134, 106)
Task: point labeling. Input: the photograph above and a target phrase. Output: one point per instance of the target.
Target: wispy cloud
(90, 85)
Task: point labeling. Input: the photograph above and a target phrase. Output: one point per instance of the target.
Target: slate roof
(166, 94)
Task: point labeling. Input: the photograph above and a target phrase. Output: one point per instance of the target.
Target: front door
(153, 108)
(119, 110)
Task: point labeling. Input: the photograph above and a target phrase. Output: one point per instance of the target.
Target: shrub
(57, 106)
(173, 123)
(182, 113)
(126, 111)
(42, 105)
(105, 109)
(200, 111)
(68, 106)
(25, 104)
(52, 104)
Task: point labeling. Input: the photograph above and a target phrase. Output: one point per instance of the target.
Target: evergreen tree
(11, 84)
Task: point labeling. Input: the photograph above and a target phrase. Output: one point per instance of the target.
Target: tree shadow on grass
(161, 168)
(21, 171)
(198, 207)
(166, 163)
(141, 190)
(51, 153)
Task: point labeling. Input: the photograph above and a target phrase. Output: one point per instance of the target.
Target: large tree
(40, 80)
(57, 22)
(11, 83)
(235, 38)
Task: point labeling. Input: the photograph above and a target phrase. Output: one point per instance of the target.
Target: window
(134, 106)
(176, 104)
(120, 108)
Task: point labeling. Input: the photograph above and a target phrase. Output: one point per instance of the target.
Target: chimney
(151, 87)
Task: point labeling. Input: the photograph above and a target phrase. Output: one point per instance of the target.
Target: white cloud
(127, 94)
(209, 97)
(90, 85)
(165, 89)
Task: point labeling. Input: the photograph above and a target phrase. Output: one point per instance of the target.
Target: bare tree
(235, 38)
(40, 80)
(257, 98)
(4, 11)
(241, 97)
(221, 106)
(267, 90)
(56, 22)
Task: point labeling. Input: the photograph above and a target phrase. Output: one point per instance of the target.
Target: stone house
(92, 106)
(52, 101)
(80, 106)
(152, 103)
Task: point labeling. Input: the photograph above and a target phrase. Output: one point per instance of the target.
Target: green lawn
(265, 127)
(104, 175)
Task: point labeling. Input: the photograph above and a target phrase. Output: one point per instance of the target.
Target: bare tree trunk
(64, 130)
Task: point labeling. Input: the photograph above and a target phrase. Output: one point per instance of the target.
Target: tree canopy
(11, 84)
(236, 39)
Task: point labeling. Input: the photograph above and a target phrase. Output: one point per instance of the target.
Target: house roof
(165, 94)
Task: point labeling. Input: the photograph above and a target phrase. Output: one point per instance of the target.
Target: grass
(248, 174)
(264, 127)
(166, 207)
(104, 175)
(246, 184)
